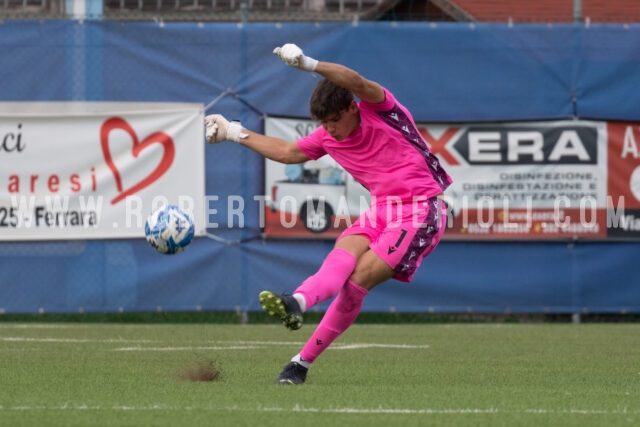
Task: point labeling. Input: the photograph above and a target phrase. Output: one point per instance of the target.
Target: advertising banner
(519, 180)
(623, 205)
(77, 170)
(535, 180)
(317, 199)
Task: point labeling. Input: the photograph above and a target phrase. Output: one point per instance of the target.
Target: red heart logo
(155, 138)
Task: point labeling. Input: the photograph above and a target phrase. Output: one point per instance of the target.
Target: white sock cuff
(302, 302)
(301, 361)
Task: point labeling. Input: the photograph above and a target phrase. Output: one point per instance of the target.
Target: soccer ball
(169, 230)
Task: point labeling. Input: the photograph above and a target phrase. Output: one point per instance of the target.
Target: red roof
(550, 10)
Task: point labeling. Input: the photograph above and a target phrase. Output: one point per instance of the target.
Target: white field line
(259, 344)
(332, 410)
(278, 343)
(209, 348)
(70, 340)
(226, 345)
(336, 346)
(359, 346)
(39, 326)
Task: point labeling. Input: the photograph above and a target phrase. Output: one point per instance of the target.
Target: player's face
(344, 123)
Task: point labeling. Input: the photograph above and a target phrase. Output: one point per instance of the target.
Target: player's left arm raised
(343, 76)
(363, 88)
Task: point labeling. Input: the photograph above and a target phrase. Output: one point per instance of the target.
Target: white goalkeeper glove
(293, 56)
(219, 129)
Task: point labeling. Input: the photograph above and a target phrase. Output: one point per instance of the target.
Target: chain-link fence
(32, 9)
(242, 10)
(207, 10)
(522, 11)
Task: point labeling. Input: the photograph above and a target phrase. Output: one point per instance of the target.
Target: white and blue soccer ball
(169, 230)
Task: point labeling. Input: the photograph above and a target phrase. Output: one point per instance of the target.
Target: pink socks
(342, 312)
(334, 271)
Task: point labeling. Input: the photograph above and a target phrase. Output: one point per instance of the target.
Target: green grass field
(65, 374)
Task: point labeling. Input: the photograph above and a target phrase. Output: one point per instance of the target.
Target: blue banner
(449, 72)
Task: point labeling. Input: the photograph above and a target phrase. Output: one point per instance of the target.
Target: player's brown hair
(328, 99)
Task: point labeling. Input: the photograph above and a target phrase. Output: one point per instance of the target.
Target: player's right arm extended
(273, 148)
(218, 129)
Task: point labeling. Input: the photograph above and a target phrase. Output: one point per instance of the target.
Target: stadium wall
(443, 73)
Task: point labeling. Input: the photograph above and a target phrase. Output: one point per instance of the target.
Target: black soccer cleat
(293, 373)
(284, 307)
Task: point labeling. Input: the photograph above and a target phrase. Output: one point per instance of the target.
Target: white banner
(76, 170)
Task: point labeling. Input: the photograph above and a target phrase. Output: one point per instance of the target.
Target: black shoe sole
(273, 305)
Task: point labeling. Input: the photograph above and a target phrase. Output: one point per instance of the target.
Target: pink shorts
(402, 234)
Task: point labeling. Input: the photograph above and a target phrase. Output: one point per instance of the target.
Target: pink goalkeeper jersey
(386, 154)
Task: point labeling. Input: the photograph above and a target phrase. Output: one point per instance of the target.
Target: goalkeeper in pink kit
(376, 140)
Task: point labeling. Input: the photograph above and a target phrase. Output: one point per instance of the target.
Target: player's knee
(368, 276)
